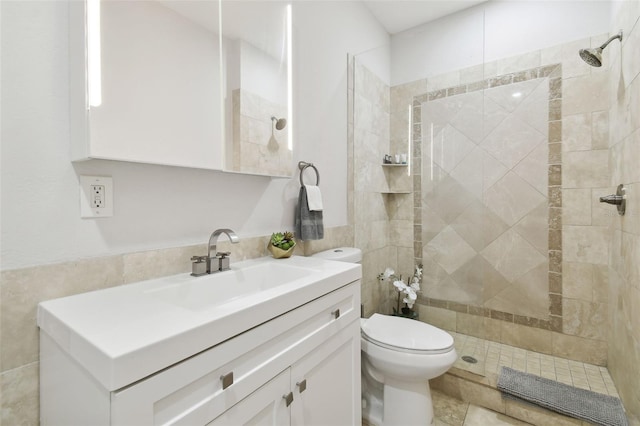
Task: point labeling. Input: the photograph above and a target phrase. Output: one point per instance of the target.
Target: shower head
(593, 56)
(280, 123)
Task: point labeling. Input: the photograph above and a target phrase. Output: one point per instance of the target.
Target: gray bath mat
(579, 403)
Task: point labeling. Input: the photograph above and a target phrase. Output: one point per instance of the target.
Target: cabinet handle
(302, 386)
(336, 313)
(227, 380)
(288, 398)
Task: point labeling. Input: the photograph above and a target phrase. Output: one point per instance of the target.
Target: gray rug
(579, 403)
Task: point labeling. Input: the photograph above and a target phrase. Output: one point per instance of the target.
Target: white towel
(314, 198)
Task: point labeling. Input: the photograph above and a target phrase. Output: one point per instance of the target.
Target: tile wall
(574, 323)
(370, 126)
(623, 332)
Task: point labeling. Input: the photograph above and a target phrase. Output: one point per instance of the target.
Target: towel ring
(303, 166)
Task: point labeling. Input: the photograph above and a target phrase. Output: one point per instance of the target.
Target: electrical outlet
(96, 196)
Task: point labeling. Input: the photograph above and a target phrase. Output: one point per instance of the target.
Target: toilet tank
(341, 254)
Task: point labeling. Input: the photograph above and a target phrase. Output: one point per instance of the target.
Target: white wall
(477, 34)
(157, 206)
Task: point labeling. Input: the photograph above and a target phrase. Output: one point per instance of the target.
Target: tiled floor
(449, 411)
(491, 356)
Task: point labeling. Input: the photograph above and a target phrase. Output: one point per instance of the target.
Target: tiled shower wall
(575, 324)
(379, 214)
(485, 209)
(624, 250)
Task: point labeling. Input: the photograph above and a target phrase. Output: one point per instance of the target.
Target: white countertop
(125, 333)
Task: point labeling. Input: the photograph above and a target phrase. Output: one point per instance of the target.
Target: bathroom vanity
(267, 342)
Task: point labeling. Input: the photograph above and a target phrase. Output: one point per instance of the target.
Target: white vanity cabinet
(301, 367)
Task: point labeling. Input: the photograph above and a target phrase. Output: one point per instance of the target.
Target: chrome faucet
(201, 265)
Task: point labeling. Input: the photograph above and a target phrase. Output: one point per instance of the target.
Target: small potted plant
(406, 291)
(281, 244)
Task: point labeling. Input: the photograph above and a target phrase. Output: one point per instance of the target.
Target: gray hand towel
(308, 223)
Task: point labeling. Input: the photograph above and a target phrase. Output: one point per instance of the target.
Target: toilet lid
(404, 333)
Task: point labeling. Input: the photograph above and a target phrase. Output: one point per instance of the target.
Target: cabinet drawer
(192, 392)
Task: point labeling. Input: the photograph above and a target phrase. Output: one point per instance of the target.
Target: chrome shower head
(280, 123)
(593, 56)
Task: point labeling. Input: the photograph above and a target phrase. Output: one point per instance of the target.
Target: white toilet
(399, 356)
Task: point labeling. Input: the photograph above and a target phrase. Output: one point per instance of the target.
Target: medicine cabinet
(202, 84)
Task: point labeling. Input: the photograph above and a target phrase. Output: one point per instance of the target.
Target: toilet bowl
(399, 357)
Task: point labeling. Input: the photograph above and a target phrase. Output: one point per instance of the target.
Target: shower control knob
(612, 199)
(618, 199)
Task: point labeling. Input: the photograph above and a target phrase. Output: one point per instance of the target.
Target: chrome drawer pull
(336, 313)
(288, 398)
(227, 380)
(302, 386)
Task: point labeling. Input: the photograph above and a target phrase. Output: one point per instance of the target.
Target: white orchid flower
(418, 272)
(411, 297)
(415, 285)
(388, 272)
(400, 285)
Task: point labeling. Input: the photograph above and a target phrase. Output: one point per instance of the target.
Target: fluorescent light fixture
(431, 152)
(94, 66)
(290, 77)
(409, 137)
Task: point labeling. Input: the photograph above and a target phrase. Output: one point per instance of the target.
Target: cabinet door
(267, 406)
(326, 382)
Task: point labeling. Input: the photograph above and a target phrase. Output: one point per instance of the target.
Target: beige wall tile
(585, 319)
(23, 289)
(585, 169)
(20, 398)
(578, 281)
(534, 339)
(577, 132)
(537, 415)
(585, 244)
(438, 317)
(159, 263)
(600, 130)
(443, 81)
(586, 93)
(576, 206)
(579, 349)
(522, 62)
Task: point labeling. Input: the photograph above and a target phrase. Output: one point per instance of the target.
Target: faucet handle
(198, 265)
(223, 254)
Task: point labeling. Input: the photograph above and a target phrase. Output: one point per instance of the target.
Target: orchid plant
(406, 291)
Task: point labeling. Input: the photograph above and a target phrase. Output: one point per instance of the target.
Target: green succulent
(283, 240)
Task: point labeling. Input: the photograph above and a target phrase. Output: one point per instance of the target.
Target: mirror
(157, 81)
(257, 78)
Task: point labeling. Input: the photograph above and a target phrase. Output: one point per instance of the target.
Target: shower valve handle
(618, 199)
(612, 199)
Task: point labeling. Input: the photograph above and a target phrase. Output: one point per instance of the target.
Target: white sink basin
(223, 287)
(125, 333)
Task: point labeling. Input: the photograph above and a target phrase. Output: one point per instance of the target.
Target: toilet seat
(406, 335)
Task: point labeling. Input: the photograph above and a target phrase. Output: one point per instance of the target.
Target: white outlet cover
(86, 209)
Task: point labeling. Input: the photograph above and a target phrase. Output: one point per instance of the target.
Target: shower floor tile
(491, 356)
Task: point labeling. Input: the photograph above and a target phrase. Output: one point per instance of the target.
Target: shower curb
(482, 391)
